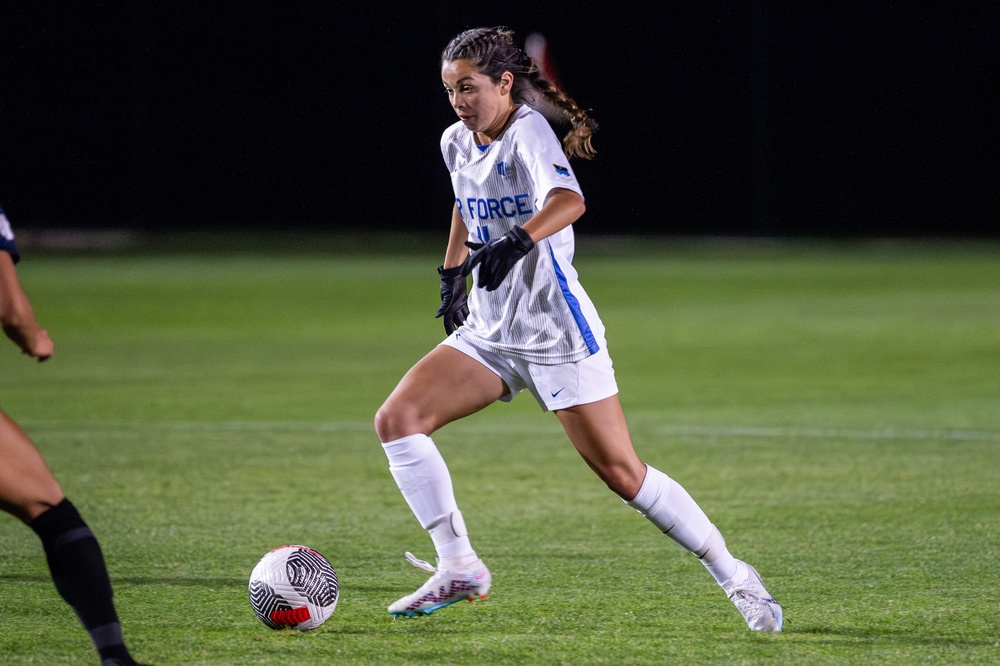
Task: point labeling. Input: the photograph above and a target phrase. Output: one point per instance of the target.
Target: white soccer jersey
(540, 313)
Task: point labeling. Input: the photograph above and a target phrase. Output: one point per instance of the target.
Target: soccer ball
(293, 586)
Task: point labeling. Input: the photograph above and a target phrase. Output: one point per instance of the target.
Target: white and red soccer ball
(295, 587)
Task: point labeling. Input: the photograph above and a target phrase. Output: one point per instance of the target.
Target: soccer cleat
(754, 602)
(443, 589)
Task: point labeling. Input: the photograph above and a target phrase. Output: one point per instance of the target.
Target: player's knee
(383, 419)
(29, 506)
(37, 508)
(395, 419)
(623, 480)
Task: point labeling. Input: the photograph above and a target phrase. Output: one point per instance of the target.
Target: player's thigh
(444, 386)
(27, 486)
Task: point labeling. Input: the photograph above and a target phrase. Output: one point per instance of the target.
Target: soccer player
(29, 492)
(528, 324)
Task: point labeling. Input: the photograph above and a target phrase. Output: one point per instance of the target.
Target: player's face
(482, 105)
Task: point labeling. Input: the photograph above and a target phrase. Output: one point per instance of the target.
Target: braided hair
(492, 52)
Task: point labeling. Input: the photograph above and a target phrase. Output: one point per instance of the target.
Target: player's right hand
(454, 299)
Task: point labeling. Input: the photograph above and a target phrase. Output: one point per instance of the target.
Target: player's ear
(506, 82)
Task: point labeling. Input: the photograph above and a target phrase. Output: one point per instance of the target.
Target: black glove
(454, 301)
(496, 258)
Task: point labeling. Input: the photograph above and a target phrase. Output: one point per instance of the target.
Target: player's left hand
(496, 258)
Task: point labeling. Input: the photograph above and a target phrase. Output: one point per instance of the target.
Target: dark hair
(492, 52)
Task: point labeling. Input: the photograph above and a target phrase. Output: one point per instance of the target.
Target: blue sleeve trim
(11, 248)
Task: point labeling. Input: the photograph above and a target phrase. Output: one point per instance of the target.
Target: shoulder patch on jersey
(561, 170)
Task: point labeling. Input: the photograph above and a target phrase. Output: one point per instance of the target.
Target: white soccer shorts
(554, 386)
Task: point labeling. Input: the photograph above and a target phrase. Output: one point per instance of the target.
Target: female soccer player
(29, 492)
(528, 324)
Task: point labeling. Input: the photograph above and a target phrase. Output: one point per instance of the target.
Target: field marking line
(856, 434)
(666, 430)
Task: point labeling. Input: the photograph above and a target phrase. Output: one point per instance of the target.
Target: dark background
(837, 119)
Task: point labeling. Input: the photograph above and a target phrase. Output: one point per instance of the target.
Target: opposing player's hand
(34, 341)
(496, 258)
(454, 299)
(43, 347)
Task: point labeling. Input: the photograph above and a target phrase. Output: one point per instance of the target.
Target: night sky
(751, 118)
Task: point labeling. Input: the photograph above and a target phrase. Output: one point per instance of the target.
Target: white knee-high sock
(666, 504)
(423, 478)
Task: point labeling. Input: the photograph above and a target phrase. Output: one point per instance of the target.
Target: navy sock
(81, 577)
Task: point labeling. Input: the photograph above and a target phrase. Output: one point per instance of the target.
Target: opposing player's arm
(17, 316)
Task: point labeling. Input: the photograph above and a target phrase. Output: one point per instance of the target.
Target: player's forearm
(562, 208)
(17, 317)
(457, 251)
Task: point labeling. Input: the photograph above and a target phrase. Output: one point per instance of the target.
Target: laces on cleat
(419, 563)
(443, 588)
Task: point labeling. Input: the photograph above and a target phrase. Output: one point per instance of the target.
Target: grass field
(834, 408)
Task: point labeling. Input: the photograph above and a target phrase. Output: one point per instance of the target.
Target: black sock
(81, 577)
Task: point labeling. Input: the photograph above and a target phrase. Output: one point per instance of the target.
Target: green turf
(834, 408)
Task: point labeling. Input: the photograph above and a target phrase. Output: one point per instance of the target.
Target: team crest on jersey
(561, 170)
(501, 168)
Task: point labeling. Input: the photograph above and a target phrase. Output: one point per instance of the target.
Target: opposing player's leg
(444, 386)
(599, 432)
(30, 492)
(27, 487)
